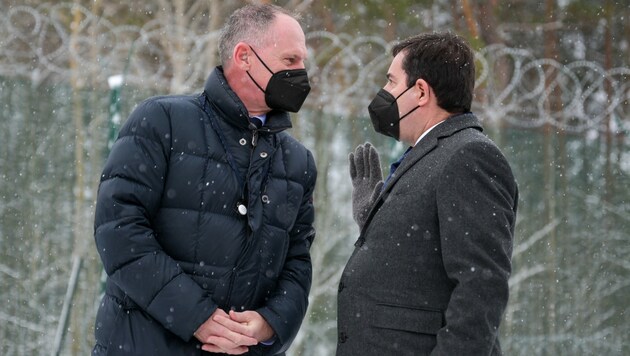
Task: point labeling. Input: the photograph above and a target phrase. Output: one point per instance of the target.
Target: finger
(374, 153)
(223, 343)
(237, 332)
(211, 348)
(234, 325)
(257, 326)
(242, 317)
(216, 349)
(353, 168)
(377, 191)
(368, 148)
(237, 351)
(359, 161)
(366, 162)
(220, 330)
(375, 164)
(221, 312)
(358, 150)
(241, 338)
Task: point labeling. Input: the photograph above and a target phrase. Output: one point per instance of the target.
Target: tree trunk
(471, 23)
(608, 63)
(549, 174)
(79, 185)
(488, 23)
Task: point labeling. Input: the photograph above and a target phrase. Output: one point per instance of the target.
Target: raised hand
(367, 181)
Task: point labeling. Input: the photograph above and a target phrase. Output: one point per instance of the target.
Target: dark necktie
(256, 121)
(395, 165)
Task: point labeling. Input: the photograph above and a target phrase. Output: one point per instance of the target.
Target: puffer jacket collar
(231, 108)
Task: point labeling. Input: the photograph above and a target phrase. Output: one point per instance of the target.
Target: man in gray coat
(429, 274)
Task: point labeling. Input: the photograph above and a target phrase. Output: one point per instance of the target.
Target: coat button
(263, 154)
(242, 141)
(342, 337)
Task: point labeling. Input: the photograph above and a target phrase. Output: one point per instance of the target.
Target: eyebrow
(292, 55)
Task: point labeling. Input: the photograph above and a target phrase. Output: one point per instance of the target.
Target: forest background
(552, 91)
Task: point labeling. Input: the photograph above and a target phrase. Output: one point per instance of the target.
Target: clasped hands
(233, 333)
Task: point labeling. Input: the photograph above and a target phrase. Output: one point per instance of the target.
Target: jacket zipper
(247, 247)
(231, 286)
(254, 139)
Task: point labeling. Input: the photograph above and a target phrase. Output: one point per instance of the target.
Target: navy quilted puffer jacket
(169, 235)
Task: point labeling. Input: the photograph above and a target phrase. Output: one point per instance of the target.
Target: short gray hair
(248, 24)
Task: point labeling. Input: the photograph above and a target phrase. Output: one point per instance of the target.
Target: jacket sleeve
(285, 310)
(476, 200)
(128, 198)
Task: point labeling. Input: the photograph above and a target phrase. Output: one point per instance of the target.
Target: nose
(300, 64)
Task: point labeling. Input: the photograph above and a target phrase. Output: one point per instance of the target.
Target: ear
(241, 56)
(424, 90)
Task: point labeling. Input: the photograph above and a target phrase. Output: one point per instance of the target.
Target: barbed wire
(66, 42)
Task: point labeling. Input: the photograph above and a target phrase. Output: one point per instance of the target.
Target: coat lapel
(426, 145)
(447, 128)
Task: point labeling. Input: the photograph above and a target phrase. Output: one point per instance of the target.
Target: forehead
(286, 37)
(396, 68)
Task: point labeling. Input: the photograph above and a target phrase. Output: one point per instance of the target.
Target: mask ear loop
(260, 59)
(412, 110)
(406, 90)
(255, 82)
(407, 114)
(263, 63)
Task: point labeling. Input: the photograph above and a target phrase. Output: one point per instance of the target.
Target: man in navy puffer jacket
(204, 220)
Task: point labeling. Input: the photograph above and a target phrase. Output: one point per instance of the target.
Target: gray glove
(367, 181)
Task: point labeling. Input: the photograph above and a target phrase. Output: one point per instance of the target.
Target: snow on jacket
(168, 232)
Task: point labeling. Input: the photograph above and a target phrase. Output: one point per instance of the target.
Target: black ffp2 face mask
(287, 89)
(384, 113)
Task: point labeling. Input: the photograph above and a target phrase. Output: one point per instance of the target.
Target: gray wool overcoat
(429, 273)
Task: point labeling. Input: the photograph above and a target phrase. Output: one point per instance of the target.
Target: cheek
(403, 106)
(407, 102)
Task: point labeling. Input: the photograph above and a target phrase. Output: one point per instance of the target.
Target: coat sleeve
(476, 200)
(128, 198)
(285, 310)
